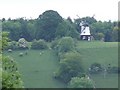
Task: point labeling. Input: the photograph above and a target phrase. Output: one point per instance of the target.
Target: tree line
(50, 25)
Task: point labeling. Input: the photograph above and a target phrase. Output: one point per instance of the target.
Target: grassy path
(37, 70)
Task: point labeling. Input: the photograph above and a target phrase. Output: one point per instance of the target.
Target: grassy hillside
(37, 70)
(101, 52)
(104, 53)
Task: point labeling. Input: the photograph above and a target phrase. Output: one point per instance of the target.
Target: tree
(83, 82)
(89, 20)
(47, 24)
(10, 77)
(115, 34)
(102, 27)
(17, 29)
(66, 28)
(14, 29)
(31, 27)
(99, 36)
(108, 36)
(70, 66)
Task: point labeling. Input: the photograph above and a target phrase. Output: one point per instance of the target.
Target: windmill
(85, 30)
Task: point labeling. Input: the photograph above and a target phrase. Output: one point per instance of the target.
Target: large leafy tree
(9, 75)
(47, 24)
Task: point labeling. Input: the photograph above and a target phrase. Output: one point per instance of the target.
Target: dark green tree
(47, 24)
(66, 28)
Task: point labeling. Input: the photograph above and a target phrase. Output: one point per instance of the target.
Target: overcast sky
(103, 9)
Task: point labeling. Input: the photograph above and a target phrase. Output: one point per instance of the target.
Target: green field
(104, 53)
(37, 70)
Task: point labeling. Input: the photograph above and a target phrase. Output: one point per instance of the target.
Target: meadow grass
(37, 69)
(104, 53)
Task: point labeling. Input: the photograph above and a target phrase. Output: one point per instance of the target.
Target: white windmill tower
(85, 31)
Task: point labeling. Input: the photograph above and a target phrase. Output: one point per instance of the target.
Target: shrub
(95, 68)
(77, 82)
(13, 45)
(40, 44)
(22, 43)
(54, 44)
(66, 44)
(70, 66)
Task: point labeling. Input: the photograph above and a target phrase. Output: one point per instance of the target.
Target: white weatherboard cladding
(85, 30)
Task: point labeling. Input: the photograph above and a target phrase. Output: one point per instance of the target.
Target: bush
(40, 44)
(95, 68)
(13, 45)
(70, 66)
(77, 82)
(66, 44)
(22, 43)
(54, 44)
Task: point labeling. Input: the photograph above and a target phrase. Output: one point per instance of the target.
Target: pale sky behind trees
(104, 10)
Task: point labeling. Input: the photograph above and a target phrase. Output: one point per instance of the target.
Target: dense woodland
(50, 25)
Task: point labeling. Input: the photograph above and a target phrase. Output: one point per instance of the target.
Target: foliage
(47, 24)
(13, 45)
(54, 44)
(70, 66)
(22, 43)
(50, 25)
(66, 28)
(66, 44)
(95, 68)
(31, 27)
(83, 82)
(17, 28)
(40, 44)
(11, 77)
(102, 27)
(116, 34)
(4, 40)
(99, 36)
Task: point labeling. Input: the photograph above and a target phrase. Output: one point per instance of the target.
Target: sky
(103, 10)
